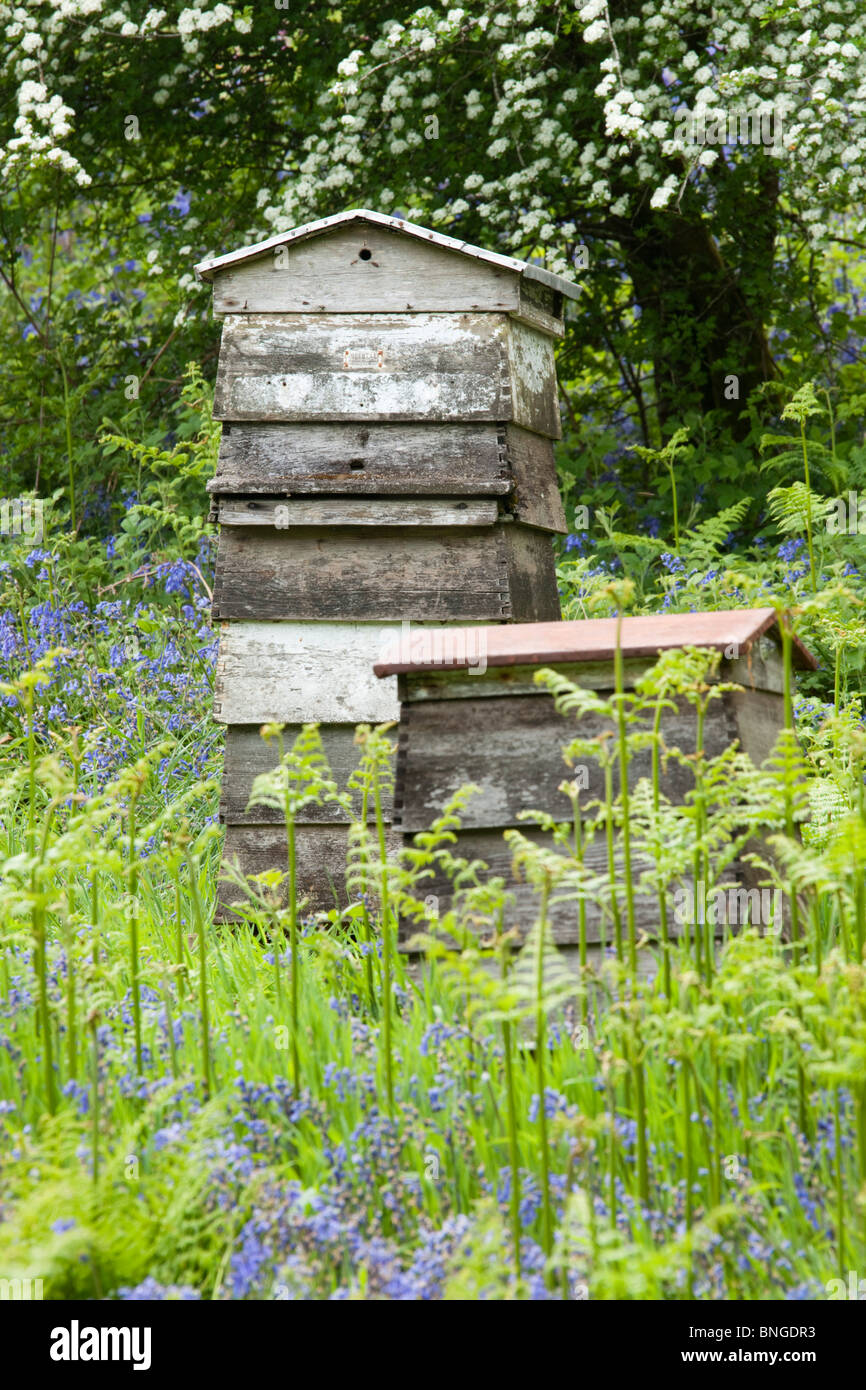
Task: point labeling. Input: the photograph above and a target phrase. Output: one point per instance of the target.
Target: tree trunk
(709, 345)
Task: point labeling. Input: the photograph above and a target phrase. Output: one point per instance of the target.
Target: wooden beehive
(496, 728)
(389, 407)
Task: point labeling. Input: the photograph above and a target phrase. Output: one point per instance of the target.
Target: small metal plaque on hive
(364, 357)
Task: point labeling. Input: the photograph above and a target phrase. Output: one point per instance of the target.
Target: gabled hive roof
(205, 270)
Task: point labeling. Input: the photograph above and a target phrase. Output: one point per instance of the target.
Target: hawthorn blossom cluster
(611, 130)
(44, 120)
(42, 123)
(564, 109)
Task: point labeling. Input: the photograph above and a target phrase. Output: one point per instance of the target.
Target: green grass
(688, 1141)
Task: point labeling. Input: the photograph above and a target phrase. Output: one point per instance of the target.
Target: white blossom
(662, 196)
(349, 66)
(531, 102)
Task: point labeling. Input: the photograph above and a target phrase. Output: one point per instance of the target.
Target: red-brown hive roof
(591, 639)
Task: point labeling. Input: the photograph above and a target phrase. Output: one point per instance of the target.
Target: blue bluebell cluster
(128, 669)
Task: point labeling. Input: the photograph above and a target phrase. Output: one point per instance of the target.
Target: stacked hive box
(389, 405)
(501, 731)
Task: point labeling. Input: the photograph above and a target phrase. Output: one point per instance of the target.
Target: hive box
(358, 559)
(389, 407)
(501, 731)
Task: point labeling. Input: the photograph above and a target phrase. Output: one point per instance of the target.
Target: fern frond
(703, 542)
(796, 507)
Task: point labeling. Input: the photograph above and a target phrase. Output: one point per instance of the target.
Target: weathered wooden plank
(321, 863)
(437, 367)
(374, 458)
(531, 567)
(321, 869)
(591, 675)
(567, 1015)
(541, 306)
(511, 748)
(376, 270)
(303, 672)
(457, 574)
(394, 459)
(536, 499)
(758, 717)
(760, 668)
(490, 847)
(533, 375)
(489, 682)
(247, 755)
(328, 273)
(360, 367)
(284, 513)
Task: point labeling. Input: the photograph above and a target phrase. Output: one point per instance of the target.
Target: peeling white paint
(303, 395)
(386, 367)
(300, 672)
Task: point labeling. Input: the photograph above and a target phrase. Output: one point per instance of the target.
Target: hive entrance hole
(366, 254)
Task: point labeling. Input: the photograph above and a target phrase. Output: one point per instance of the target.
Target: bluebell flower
(180, 203)
(789, 550)
(149, 1290)
(80, 1094)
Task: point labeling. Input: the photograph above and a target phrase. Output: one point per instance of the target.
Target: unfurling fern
(802, 405)
(666, 456)
(374, 778)
(541, 982)
(702, 543)
(302, 779)
(794, 508)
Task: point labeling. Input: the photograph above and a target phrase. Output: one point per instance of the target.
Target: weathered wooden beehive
(389, 407)
(499, 730)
